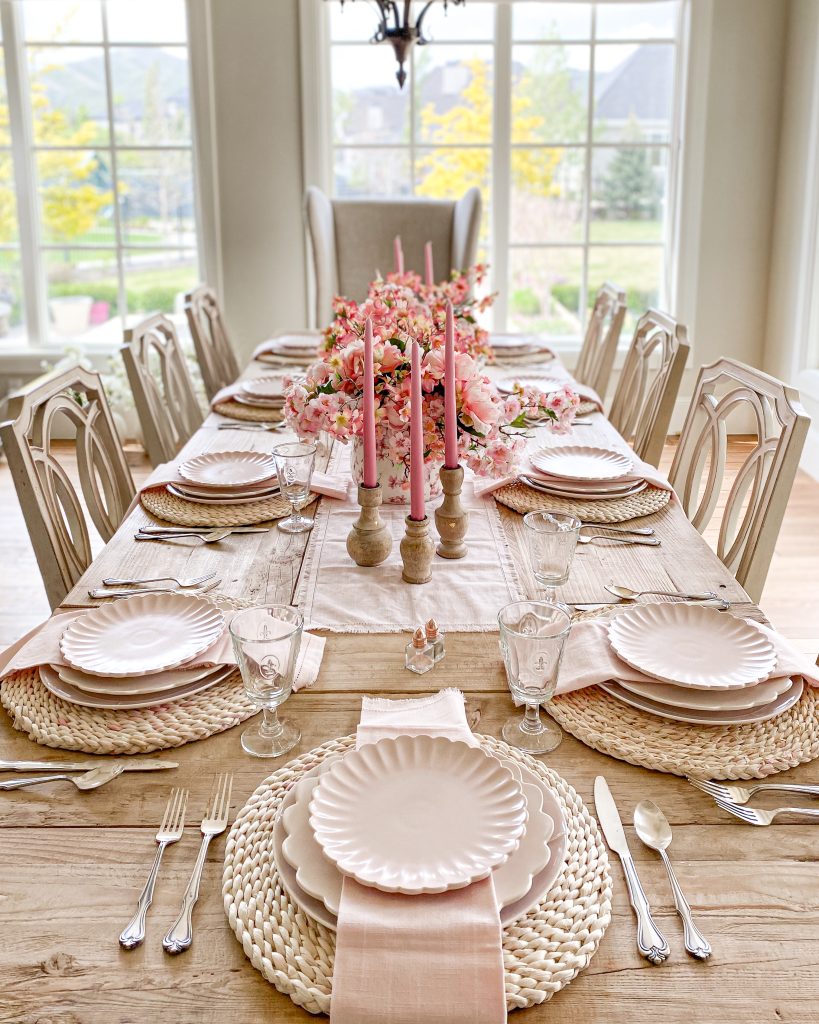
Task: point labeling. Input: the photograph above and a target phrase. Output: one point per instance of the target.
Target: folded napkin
(42, 647)
(428, 959)
(226, 393)
(589, 659)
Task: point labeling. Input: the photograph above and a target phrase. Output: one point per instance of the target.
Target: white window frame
(24, 156)
(318, 144)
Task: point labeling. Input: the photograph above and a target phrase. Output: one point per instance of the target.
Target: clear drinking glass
(532, 638)
(294, 466)
(552, 539)
(266, 641)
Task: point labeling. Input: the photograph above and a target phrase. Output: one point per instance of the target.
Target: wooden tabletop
(73, 864)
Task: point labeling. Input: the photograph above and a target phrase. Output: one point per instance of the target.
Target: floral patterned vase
(394, 476)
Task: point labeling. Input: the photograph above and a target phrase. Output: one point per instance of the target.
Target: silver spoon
(653, 829)
(627, 594)
(89, 780)
(617, 538)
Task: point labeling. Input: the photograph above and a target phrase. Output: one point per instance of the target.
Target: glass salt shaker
(435, 637)
(418, 656)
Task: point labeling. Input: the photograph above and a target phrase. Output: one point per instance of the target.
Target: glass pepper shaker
(418, 656)
(435, 637)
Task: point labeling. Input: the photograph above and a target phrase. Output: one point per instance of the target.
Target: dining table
(72, 863)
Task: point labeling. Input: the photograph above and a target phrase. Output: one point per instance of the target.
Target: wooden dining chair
(161, 385)
(214, 351)
(71, 402)
(644, 399)
(730, 394)
(602, 337)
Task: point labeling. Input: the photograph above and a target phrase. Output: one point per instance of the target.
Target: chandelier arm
(419, 23)
(380, 33)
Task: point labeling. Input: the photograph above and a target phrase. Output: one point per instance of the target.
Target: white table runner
(464, 594)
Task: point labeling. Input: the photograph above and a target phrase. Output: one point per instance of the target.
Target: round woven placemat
(707, 752)
(525, 499)
(58, 723)
(542, 951)
(252, 413)
(164, 505)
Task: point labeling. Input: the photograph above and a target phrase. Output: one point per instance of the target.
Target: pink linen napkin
(417, 959)
(589, 659)
(42, 647)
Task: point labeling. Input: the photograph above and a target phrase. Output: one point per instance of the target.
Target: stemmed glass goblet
(552, 538)
(294, 466)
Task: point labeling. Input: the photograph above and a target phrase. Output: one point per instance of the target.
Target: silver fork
(99, 594)
(214, 822)
(618, 539)
(741, 795)
(252, 426)
(170, 831)
(194, 581)
(754, 816)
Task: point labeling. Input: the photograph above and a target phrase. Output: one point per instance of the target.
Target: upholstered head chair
(352, 238)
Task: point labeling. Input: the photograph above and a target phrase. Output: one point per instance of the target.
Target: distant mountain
(84, 82)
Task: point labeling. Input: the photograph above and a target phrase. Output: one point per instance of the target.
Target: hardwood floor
(791, 597)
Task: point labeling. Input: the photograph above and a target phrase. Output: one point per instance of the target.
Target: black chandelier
(398, 29)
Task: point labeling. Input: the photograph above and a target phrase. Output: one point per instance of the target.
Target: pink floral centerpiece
(402, 308)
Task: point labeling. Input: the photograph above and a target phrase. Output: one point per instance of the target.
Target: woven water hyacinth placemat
(542, 951)
(251, 413)
(161, 503)
(525, 499)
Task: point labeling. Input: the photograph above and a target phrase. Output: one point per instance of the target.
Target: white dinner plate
(223, 499)
(141, 634)
(253, 402)
(541, 883)
(269, 388)
(132, 686)
(542, 382)
(305, 343)
(699, 716)
(709, 700)
(585, 495)
(582, 462)
(596, 486)
(418, 814)
(689, 645)
(220, 494)
(121, 702)
(229, 469)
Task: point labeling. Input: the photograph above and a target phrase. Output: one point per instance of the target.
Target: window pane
(637, 269)
(63, 21)
(372, 172)
(544, 290)
(637, 21)
(150, 89)
(156, 198)
(8, 200)
(474, 21)
(634, 92)
(68, 99)
(156, 282)
(367, 105)
(550, 93)
(551, 21)
(355, 22)
(76, 197)
(149, 21)
(453, 90)
(448, 173)
(82, 292)
(547, 195)
(11, 296)
(629, 194)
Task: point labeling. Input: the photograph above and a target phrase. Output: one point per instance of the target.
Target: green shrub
(526, 302)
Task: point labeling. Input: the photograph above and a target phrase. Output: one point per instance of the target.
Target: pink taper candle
(370, 475)
(398, 254)
(430, 277)
(416, 438)
(450, 413)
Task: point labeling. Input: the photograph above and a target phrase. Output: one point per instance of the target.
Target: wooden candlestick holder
(369, 541)
(450, 518)
(417, 550)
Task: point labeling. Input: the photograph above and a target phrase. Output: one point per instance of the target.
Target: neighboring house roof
(641, 87)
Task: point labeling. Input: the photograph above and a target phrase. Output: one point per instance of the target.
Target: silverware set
(257, 427)
(654, 831)
(89, 774)
(627, 594)
(734, 799)
(112, 587)
(171, 829)
(205, 534)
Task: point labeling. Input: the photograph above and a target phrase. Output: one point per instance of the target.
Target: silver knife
(156, 530)
(650, 940)
(138, 764)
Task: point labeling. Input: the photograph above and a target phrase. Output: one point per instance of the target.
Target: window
(100, 133)
(574, 145)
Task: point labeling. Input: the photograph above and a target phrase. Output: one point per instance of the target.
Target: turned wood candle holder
(450, 518)
(369, 541)
(417, 550)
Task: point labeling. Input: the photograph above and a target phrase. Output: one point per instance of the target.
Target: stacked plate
(138, 652)
(227, 478)
(296, 349)
(419, 814)
(584, 473)
(703, 666)
(261, 393)
(543, 382)
(511, 347)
